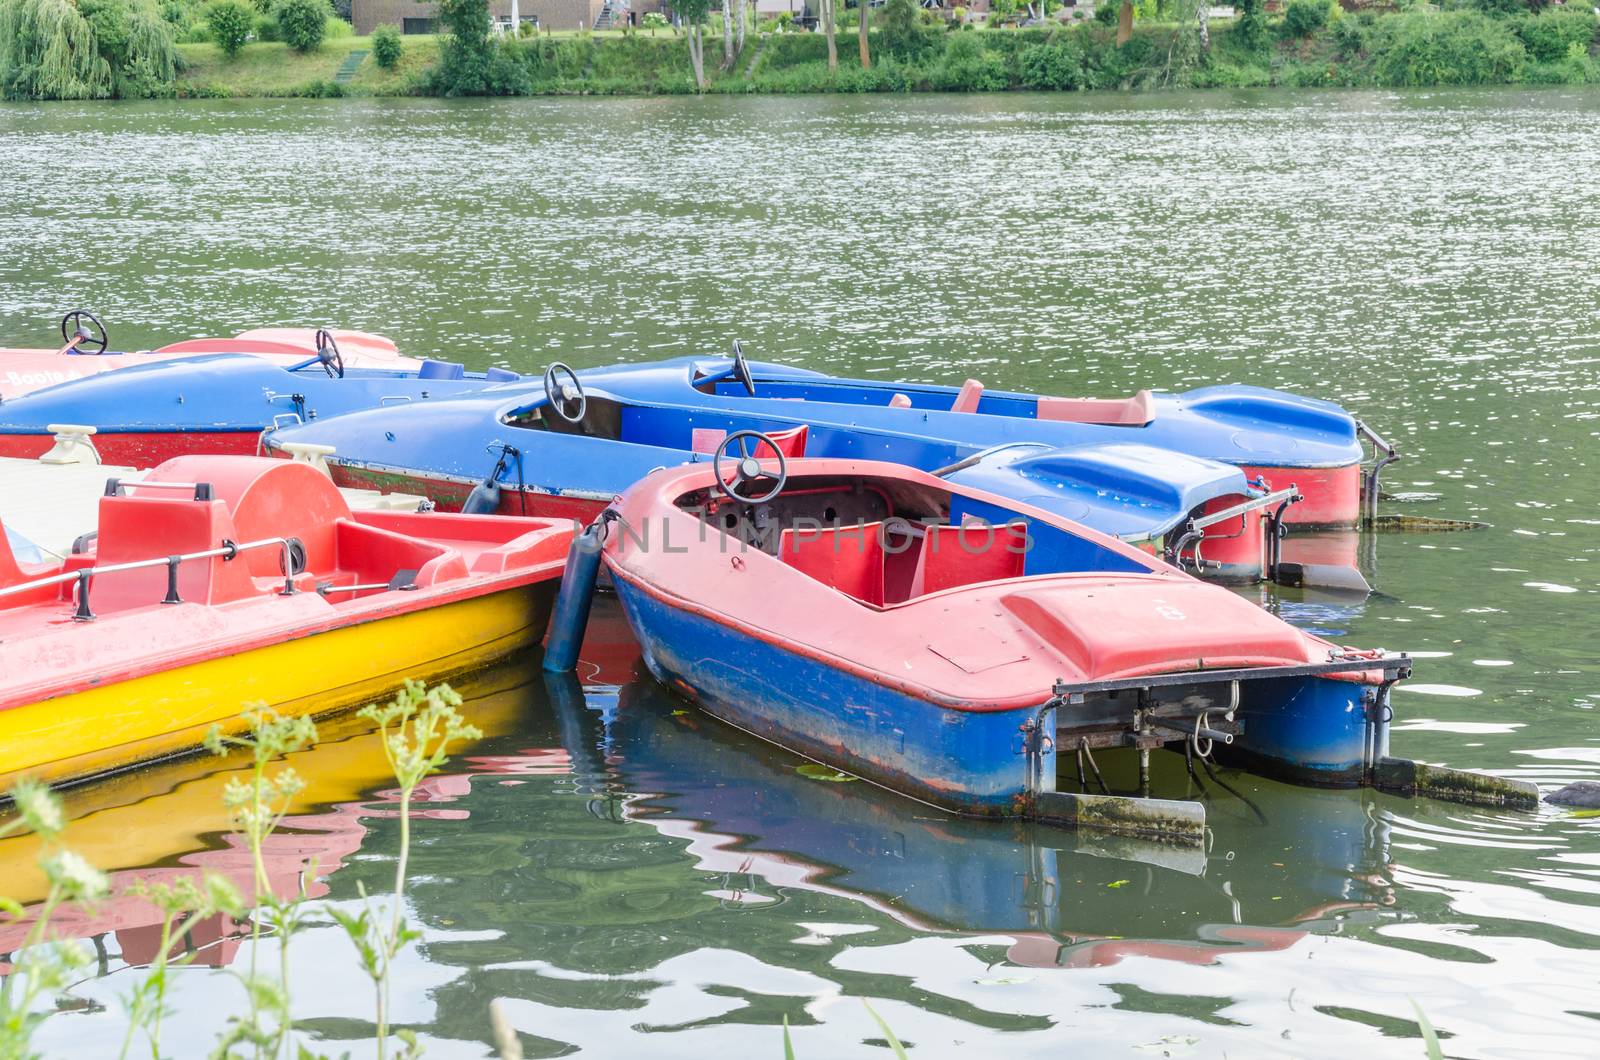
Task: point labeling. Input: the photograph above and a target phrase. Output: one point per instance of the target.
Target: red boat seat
(1136, 411)
(268, 498)
(149, 525)
(967, 400)
(372, 555)
(791, 443)
(848, 558)
(968, 555)
(11, 573)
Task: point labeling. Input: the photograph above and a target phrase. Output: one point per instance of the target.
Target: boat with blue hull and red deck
(219, 403)
(1272, 435)
(85, 351)
(571, 447)
(217, 582)
(959, 648)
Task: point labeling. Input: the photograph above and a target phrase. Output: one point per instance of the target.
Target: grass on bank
(274, 69)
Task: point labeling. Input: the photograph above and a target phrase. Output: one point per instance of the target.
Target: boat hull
(1306, 730)
(1331, 495)
(141, 448)
(112, 727)
(966, 761)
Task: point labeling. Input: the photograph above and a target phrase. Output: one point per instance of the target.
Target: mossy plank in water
(1422, 524)
(1163, 820)
(1402, 776)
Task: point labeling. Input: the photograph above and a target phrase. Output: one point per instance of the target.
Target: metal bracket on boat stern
(1035, 739)
(1384, 453)
(1194, 530)
(1199, 727)
(1167, 820)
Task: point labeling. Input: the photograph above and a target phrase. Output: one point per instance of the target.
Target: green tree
(136, 43)
(386, 46)
(464, 60)
(303, 23)
(47, 52)
(230, 22)
(900, 30)
(1251, 29)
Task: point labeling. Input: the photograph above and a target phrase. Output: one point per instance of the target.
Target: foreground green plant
(257, 806)
(192, 902)
(417, 729)
(42, 967)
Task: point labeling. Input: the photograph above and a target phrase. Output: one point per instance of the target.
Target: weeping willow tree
(145, 60)
(48, 51)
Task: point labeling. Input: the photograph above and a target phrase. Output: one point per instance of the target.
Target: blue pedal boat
(1271, 435)
(151, 412)
(572, 446)
(956, 647)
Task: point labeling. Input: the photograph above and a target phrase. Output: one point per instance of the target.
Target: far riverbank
(1420, 48)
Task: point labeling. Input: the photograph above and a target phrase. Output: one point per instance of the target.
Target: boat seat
(442, 370)
(791, 443)
(271, 498)
(848, 558)
(967, 555)
(501, 375)
(967, 400)
(1136, 411)
(375, 554)
(148, 525)
(11, 573)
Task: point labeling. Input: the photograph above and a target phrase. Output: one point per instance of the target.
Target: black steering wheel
(77, 336)
(328, 354)
(741, 369)
(562, 388)
(747, 467)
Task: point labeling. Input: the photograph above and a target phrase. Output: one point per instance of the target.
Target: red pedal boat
(220, 581)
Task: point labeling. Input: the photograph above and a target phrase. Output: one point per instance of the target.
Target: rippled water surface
(635, 880)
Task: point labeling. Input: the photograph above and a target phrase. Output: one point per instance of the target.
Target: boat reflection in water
(634, 765)
(167, 821)
(1066, 899)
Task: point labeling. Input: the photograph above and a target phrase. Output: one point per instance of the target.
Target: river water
(634, 880)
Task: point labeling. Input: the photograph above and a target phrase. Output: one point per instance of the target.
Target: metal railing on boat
(1384, 453)
(227, 551)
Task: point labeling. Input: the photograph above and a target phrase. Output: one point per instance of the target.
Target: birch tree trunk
(738, 42)
(827, 27)
(727, 34)
(1202, 12)
(866, 56)
(697, 57)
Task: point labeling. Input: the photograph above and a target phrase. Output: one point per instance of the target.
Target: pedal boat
(1272, 436)
(85, 351)
(180, 614)
(954, 647)
(571, 447)
(217, 403)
